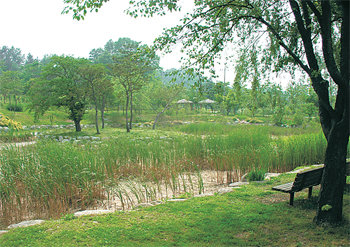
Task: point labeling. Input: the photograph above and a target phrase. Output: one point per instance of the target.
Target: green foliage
(61, 85)
(7, 122)
(298, 119)
(326, 207)
(256, 175)
(14, 107)
(69, 217)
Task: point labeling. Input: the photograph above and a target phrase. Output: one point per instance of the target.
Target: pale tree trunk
(131, 110)
(159, 114)
(126, 112)
(103, 112)
(96, 120)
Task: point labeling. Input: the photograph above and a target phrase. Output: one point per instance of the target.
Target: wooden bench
(303, 180)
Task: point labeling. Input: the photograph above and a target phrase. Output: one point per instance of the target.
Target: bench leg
(291, 198)
(310, 193)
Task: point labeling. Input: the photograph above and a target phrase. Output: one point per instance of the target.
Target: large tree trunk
(330, 202)
(77, 125)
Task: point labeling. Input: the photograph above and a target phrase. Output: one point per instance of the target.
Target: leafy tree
(99, 85)
(160, 96)
(30, 59)
(10, 85)
(61, 85)
(133, 66)
(11, 58)
(302, 33)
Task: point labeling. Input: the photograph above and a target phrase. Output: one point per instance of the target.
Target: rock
(244, 178)
(156, 203)
(60, 138)
(92, 212)
(26, 223)
(2, 232)
(144, 205)
(236, 184)
(95, 138)
(177, 200)
(225, 190)
(204, 195)
(268, 176)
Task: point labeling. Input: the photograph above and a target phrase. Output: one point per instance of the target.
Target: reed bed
(49, 179)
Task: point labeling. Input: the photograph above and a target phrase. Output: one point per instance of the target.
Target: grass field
(253, 215)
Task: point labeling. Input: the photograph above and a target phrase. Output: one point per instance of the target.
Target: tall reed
(51, 178)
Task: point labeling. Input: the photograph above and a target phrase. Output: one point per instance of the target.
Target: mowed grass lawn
(253, 215)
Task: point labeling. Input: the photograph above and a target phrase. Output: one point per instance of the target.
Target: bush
(15, 108)
(6, 122)
(298, 119)
(256, 175)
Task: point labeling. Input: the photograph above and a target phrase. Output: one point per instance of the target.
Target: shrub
(298, 119)
(6, 122)
(15, 108)
(256, 175)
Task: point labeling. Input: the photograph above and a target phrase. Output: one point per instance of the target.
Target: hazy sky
(38, 27)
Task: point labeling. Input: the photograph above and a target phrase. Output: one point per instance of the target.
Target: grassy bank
(253, 215)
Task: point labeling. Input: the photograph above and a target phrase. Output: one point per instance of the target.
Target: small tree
(132, 68)
(61, 85)
(99, 86)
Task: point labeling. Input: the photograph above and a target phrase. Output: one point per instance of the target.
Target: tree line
(127, 74)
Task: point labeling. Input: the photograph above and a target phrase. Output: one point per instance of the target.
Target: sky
(39, 28)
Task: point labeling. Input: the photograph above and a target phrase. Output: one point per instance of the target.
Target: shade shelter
(207, 102)
(185, 102)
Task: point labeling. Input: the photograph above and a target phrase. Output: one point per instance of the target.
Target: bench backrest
(307, 179)
(312, 177)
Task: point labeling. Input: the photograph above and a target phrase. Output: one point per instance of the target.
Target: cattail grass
(50, 178)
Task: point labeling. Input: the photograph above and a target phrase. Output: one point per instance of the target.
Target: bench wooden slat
(284, 187)
(307, 179)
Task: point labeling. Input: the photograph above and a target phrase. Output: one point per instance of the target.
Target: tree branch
(327, 47)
